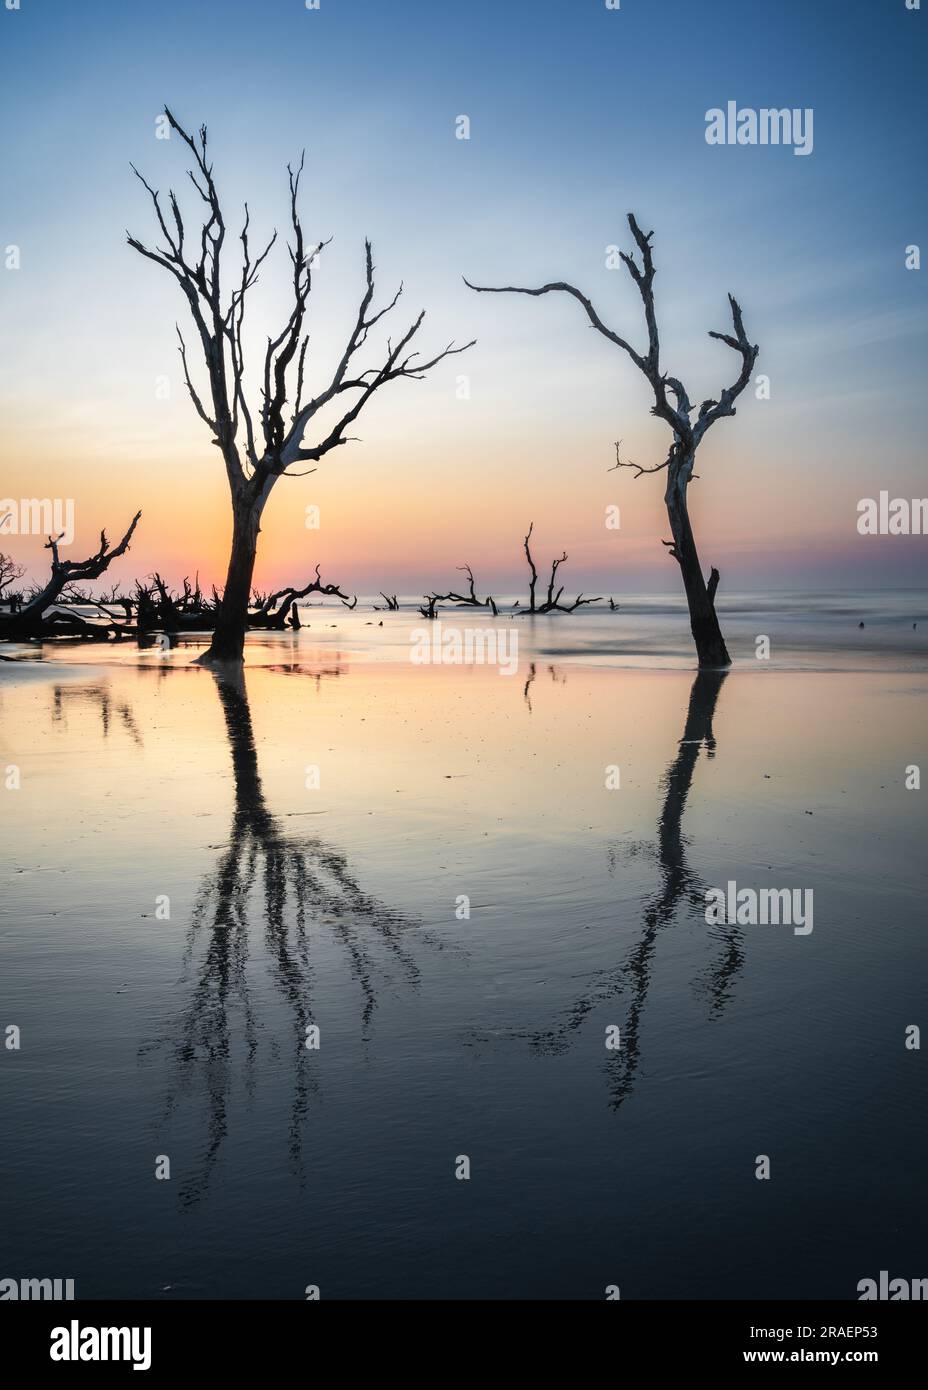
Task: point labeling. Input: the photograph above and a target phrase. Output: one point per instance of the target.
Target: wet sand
(341, 906)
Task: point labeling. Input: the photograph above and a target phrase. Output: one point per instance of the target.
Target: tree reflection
(678, 884)
(95, 697)
(303, 894)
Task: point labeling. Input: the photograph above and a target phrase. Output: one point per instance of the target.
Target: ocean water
(467, 882)
(882, 630)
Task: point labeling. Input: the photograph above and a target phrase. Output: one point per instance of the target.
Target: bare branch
(198, 404)
(201, 286)
(552, 603)
(710, 411)
(64, 573)
(561, 286)
(273, 610)
(468, 600)
(627, 463)
(531, 565)
(713, 584)
(10, 571)
(395, 366)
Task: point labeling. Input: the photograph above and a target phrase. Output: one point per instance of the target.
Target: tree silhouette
(29, 621)
(256, 455)
(687, 434)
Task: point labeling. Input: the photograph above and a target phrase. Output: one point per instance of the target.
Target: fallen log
(38, 617)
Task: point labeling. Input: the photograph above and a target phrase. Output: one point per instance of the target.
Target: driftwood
(39, 615)
(687, 433)
(153, 607)
(431, 602)
(278, 610)
(62, 620)
(165, 610)
(552, 601)
(468, 600)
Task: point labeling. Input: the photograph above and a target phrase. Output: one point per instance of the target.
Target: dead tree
(9, 573)
(255, 455)
(30, 621)
(274, 610)
(146, 614)
(431, 601)
(166, 607)
(162, 609)
(687, 433)
(468, 600)
(391, 601)
(191, 600)
(115, 598)
(65, 623)
(552, 601)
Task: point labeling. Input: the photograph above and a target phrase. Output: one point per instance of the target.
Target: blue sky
(578, 114)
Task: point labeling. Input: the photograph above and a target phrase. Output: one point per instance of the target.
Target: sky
(578, 114)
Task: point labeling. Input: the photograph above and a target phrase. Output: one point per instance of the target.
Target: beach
(481, 900)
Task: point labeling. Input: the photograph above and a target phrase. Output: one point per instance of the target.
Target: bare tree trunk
(228, 641)
(700, 597)
(257, 450)
(687, 434)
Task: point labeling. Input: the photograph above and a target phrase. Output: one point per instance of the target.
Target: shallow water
(441, 1036)
(882, 630)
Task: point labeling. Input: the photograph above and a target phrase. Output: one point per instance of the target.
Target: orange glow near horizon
(393, 517)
